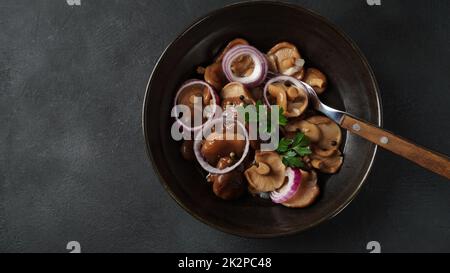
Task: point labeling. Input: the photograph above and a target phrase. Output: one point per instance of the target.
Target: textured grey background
(72, 158)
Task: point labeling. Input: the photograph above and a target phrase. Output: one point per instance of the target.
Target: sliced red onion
(215, 102)
(282, 78)
(198, 143)
(299, 63)
(288, 190)
(259, 71)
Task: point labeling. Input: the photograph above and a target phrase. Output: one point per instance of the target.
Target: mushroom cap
(283, 57)
(330, 164)
(292, 99)
(270, 181)
(193, 93)
(316, 79)
(235, 93)
(323, 153)
(310, 130)
(214, 75)
(189, 92)
(243, 66)
(218, 145)
(230, 185)
(234, 90)
(331, 133)
(307, 193)
(230, 45)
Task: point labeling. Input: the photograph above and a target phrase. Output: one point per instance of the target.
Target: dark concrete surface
(72, 158)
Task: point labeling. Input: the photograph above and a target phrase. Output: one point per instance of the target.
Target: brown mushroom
(230, 185)
(268, 173)
(292, 99)
(310, 130)
(230, 45)
(284, 58)
(243, 66)
(330, 164)
(218, 145)
(331, 133)
(323, 153)
(192, 94)
(235, 93)
(214, 75)
(316, 79)
(307, 193)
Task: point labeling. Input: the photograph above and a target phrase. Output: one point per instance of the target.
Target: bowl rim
(317, 16)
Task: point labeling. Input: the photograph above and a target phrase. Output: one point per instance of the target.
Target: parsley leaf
(293, 162)
(292, 150)
(283, 145)
(302, 151)
(282, 120)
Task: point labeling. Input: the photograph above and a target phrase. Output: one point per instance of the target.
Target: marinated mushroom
(323, 153)
(331, 135)
(193, 94)
(310, 130)
(218, 145)
(234, 94)
(307, 193)
(284, 58)
(213, 73)
(243, 66)
(230, 45)
(230, 185)
(316, 79)
(292, 99)
(268, 173)
(330, 164)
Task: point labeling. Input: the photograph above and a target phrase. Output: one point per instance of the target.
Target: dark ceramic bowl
(352, 88)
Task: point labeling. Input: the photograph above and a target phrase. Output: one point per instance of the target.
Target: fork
(433, 161)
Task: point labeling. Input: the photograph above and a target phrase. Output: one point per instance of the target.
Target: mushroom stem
(292, 93)
(280, 94)
(263, 168)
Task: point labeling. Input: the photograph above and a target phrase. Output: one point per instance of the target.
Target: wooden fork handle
(430, 160)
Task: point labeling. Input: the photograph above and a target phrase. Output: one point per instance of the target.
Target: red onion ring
(289, 189)
(259, 72)
(282, 78)
(214, 97)
(198, 142)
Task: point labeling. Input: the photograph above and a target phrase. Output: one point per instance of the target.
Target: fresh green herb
(283, 145)
(292, 150)
(254, 119)
(299, 139)
(302, 151)
(293, 162)
(282, 120)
